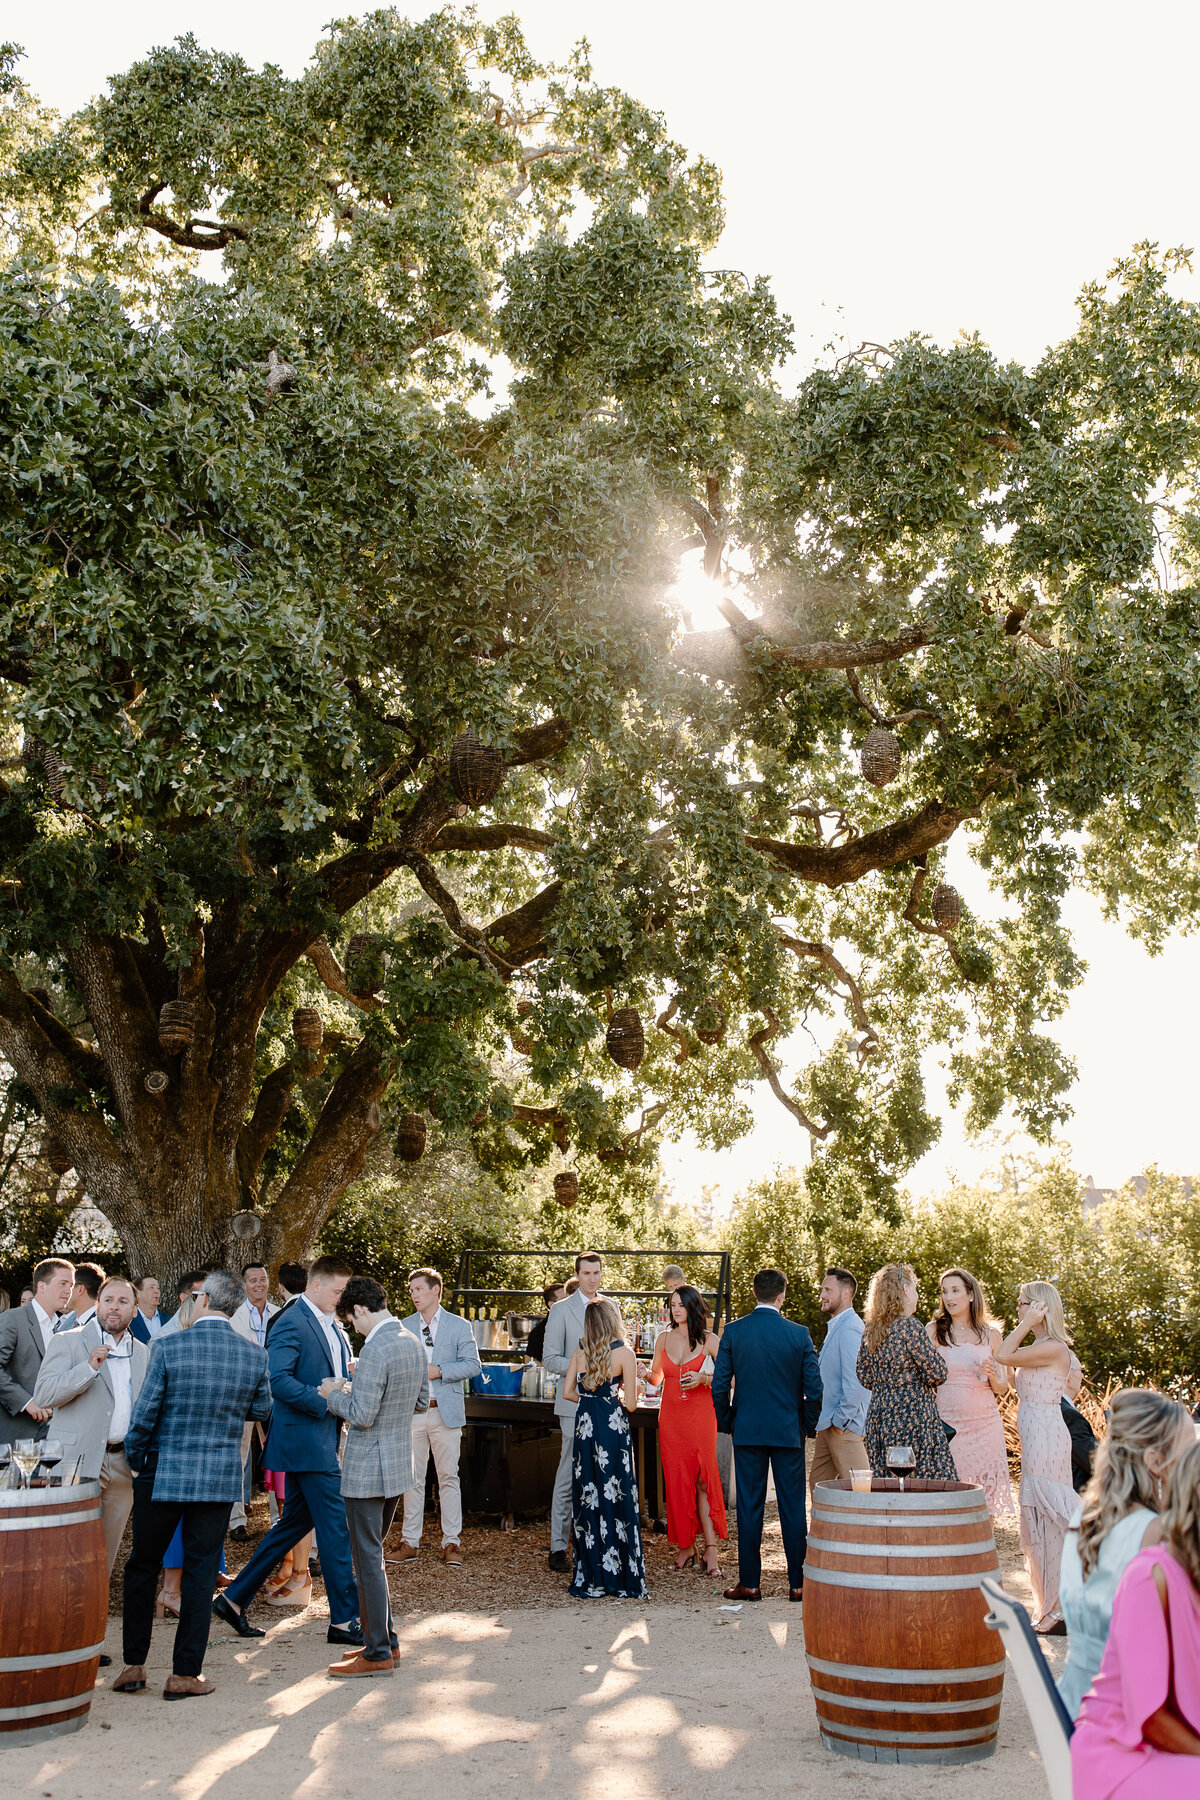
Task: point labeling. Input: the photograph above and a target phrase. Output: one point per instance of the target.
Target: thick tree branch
(723, 655)
(521, 933)
(334, 1154)
(663, 1023)
(260, 1131)
(492, 837)
(334, 976)
(836, 865)
(537, 742)
(193, 234)
(880, 718)
(467, 934)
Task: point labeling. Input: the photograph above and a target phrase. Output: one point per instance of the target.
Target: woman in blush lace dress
(1047, 1495)
(964, 1334)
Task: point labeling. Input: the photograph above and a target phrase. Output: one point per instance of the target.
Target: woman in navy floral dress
(604, 1500)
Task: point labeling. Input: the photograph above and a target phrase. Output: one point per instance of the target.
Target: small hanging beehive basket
(53, 766)
(566, 1187)
(879, 757)
(57, 1155)
(176, 1028)
(625, 1040)
(945, 903)
(365, 965)
(307, 1028)
(409, 1143)
(33, 752)
(522, 1044)
(476, 769)
(710, 1022)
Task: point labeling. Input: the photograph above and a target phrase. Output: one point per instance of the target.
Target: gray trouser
(369, 1522)
(560, 1504)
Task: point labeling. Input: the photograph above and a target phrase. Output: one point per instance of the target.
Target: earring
(1160, 1492)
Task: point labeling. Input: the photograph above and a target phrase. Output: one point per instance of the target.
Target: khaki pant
(116, 1501)
(835, 1453)
(430, 1436)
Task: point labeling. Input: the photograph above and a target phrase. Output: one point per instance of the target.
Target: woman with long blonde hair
(1138, 1732)
(601, 1382)
(967, 1338)
(1147, 1434)
(903, 1371)
(1047, 1496)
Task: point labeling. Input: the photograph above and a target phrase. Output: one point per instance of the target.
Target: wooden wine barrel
(53, 1609)
(903, 1667)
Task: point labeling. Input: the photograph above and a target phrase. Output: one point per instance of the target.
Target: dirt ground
(507, 1687)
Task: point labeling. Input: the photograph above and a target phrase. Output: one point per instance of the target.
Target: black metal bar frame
(721, 1294)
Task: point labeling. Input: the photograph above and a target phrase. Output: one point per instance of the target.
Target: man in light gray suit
(25, 1335)
(564, 1329)
(453, 1357)
(91, 1377)
(390, 1386)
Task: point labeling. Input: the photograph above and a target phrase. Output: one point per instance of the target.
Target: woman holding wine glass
(903, 1371)
(1047, 1495)
(687, 1431)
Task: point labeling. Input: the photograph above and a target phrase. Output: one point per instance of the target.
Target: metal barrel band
(890, 1755)
(50, 1659)
(910, 1584)
(32, 1524)
(857, 1703)
(931, 1552)
(848, 1501)
(908, 1738)
(906, 1677)
(40, 1709)
(910, 1521)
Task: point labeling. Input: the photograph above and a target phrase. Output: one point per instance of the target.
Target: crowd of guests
(170, 1413)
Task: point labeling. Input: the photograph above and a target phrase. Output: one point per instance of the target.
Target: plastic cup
(860, 1481)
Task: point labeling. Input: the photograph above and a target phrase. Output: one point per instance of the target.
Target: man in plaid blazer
(391, 1384)
(184, 1445)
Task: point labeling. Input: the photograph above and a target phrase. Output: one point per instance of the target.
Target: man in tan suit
(91, 1378)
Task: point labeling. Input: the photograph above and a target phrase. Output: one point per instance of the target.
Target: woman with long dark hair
(963, 1334)
(903, 1371)
(687, 1431)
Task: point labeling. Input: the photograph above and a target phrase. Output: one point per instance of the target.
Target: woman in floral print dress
(606, 1537)
(903, 1371)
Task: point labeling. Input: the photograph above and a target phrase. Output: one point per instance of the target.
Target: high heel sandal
(166, 1603)
(293, 1593)
(716, 1556)
(689, 1562)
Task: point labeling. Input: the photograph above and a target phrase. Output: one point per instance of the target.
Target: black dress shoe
(346, 1634)
(240, 1535)
(226, 1610)
(796, 1593)
(105, 1661)
(557, 1563)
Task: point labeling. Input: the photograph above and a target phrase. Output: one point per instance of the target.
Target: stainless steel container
(484, 1332)
(520, 1325)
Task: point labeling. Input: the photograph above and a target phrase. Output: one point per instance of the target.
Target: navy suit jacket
(304, 1433)
(199, 1389)
(777, 1399)
(141, 1331)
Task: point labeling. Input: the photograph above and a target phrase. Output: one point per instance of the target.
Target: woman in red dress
(687, 1431)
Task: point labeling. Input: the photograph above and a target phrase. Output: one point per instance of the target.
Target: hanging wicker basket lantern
(625, 1039)
(946, 905)
(33, 752)
(409, 1142)
(710, 1022)
(176, 1027)
(566, 1187)
(523, 1045)
(879, 758)
(307, 1028)
(476, 769)
(157, 1082)
(53, 766)
(365, 965)
(57, 1155)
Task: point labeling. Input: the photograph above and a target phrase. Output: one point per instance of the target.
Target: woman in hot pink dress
(964, 1334)
(1138, 1732)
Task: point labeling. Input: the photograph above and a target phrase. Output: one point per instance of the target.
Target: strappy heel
(689, 1562)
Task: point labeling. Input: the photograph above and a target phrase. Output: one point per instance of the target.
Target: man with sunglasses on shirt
(452, 1355)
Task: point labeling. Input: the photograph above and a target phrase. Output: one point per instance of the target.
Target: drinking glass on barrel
(903, 1459)
(52, 1454)
(27, 1456)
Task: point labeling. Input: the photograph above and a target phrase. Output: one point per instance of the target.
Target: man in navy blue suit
(304, 1348)
(772, 1368)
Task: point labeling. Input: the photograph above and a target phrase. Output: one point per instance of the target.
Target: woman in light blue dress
(1147, 1434)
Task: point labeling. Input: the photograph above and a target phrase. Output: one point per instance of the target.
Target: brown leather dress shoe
(452, 1556)
(131, 1680)
(743, 1593)
(187, 1687)
(358, 1665)
(408, 1553)
(796, 1593)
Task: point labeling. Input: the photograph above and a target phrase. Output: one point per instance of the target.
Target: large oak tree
(346, 414)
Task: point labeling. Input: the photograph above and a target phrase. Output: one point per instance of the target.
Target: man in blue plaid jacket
(184, 1445)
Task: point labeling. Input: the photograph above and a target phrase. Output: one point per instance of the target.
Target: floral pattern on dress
(607, 1536)
(903, 1376)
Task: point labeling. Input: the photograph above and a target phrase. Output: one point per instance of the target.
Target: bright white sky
(934, 166)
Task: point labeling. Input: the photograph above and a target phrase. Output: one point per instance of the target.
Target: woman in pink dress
(1048, 1499)
(964, 1334)
(1138, 1732)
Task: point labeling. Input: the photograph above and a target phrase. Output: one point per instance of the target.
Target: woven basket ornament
(476, 769)
(625, 1039)
(879, 758)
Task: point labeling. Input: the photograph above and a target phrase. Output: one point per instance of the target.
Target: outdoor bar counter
(510, 1456)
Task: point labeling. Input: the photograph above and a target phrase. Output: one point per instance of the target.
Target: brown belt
(432, 1404)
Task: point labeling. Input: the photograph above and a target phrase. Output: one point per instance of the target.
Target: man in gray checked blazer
(390, 1385)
